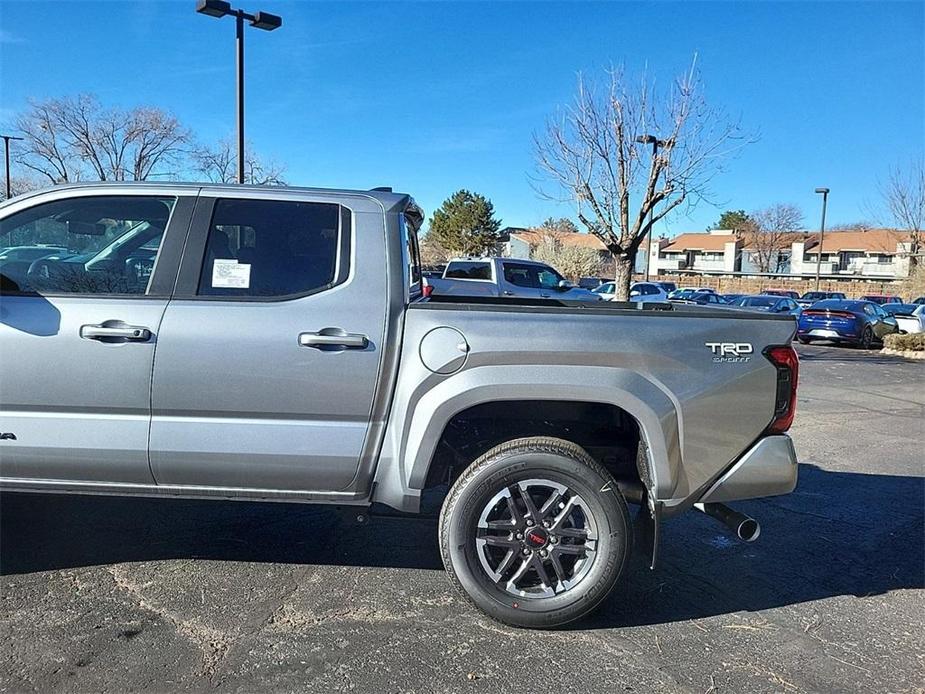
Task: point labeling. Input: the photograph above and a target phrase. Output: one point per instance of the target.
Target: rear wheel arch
(420, 417)
(608, 434)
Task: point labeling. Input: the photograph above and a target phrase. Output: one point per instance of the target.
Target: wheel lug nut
(529, 523)
(543, 553)
(526, 550)
(520, 536)
(546, 524)
(554, 540)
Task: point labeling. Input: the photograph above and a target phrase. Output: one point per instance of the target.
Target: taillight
(829, 314)
(427, 289)
(787, 364)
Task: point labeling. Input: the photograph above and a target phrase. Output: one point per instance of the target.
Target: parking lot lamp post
(656, 143)
(260, 20)
(825, 196)
(6, 158)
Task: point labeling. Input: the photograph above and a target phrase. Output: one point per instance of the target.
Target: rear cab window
(469, 270)
(274, 249)
(412, 257)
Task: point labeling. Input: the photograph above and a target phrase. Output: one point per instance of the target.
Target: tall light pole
(6, 158)
(656, 143)
(260, 20)
(825, 197)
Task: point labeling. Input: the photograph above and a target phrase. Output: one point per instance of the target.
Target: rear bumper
(769, 468)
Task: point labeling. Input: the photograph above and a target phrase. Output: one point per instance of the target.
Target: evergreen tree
(465, 224)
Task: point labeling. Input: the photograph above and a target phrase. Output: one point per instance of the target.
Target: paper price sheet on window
(229, 273)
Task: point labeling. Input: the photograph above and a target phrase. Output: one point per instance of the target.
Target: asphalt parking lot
(120, 595)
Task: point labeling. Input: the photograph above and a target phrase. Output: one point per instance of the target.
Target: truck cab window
(84, 245)
(271, 248)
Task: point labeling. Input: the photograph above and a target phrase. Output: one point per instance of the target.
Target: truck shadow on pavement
(838, 534)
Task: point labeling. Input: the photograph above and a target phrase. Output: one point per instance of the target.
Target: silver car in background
(639, 292)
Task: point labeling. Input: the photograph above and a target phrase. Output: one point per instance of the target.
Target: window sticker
(229, 273)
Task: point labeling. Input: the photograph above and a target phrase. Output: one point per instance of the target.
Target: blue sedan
(860, 323)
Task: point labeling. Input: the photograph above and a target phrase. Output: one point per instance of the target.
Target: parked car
(702, 298)
(770, 303)
(789, 293)
(684, 293)
(15, 261)
(909, 317)
(919, 300)
(506, 277)
(809, 298)
(861, 323)
(297, 361)
(882, 298)
(697, 289)
(639, 291)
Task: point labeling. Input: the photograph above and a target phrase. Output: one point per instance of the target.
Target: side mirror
(564, 285)
(635, 292)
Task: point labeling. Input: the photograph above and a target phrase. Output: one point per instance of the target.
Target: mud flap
(649, 516)
(648, 520)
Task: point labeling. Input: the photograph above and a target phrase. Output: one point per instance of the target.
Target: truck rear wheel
(535, 533)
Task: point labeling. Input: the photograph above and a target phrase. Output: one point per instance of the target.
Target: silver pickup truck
(526, 279)
(274, 344)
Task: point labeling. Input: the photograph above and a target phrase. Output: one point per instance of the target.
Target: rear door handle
(133, 333)
(334, 337)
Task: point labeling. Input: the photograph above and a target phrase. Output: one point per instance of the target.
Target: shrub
(911, 343)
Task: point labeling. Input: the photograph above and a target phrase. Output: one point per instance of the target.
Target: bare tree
(904, 195)
(562, 225)
(20, 184)
(433, 252)
(76, 138)
(590, 152)
(862, 225)
(571, 261)
(219, 164)
(768, 234)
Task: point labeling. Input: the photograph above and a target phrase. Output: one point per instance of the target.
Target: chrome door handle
(334, 337)
(508, 292)
(134, 333)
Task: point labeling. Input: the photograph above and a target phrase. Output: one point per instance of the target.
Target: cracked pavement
(113, 595)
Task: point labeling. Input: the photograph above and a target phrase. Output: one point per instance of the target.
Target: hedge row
(911, 343)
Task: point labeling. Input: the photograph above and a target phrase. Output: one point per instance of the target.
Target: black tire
(804, 340)
(530, 462)
(867, 338)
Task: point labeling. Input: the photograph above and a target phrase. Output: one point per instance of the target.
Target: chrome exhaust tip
(745, 527)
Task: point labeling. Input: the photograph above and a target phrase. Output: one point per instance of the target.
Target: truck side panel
(659, 366)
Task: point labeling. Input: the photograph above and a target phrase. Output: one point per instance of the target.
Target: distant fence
(908, 288)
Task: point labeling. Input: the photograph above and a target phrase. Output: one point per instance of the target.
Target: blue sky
(432, 97)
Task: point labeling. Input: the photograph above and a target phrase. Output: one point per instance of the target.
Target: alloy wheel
(536, 538)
